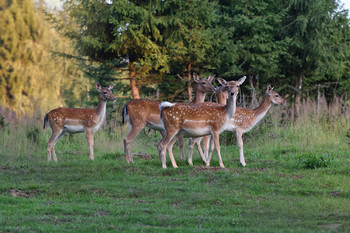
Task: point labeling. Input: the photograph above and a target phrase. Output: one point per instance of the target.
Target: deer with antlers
(243, 120)
(142, 112)
(196, 121)
(77, 120)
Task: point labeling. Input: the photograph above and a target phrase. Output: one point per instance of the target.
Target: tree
(254, 44)
(122, 35)
(31, 79)
(306, 26)
(190, 37)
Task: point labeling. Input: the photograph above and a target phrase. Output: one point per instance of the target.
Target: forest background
(52, 58)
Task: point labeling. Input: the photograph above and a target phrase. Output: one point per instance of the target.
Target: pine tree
(306, 27)
(122, 35)
(190, 37)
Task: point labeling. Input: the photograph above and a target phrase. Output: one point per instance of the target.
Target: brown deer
(196, 121)
(222, 96)
(142, 112)
(245, 119)
(77, 120)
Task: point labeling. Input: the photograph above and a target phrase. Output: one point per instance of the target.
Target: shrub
(313, 161)
(33, 133)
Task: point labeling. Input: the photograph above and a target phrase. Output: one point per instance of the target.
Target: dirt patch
(21, 193)
(142, 155)
(101, 213)
(5, 169)
(297, 177)
(142, 202)
(254, 169)
(211, 169)
(176, 180)
(335, 194)
(330, 226)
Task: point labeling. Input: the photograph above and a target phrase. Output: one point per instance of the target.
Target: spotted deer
(142, 112)
(196, 121)
(245, 119)
(222, 96)
(77, 120)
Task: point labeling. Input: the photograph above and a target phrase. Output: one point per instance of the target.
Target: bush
(313, 161)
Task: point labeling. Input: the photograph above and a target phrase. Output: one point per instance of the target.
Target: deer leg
(190, 150)
(134, 131)
(211, 148)
(239, 135)
(199, 148)
(182, 146)
(206, 140)
(162, 145)
(170, 150)
(55, 136)
(217, 146)
(195, 141)
(90, 140)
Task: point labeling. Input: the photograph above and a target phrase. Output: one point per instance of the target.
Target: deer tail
(46, 121)
(124, 113)
(165, 104)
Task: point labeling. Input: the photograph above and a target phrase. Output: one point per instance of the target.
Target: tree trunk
(318, 100)
(189, 86)
(297, 103)
(134, 89)
(254, 101)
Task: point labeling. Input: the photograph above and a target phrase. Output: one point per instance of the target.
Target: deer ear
(211, 77)
(241, 80)
(98, 86)
(222, 81)
(269, 89)
(196, 77)
(111, 86)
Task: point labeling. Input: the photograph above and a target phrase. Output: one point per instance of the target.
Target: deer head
(275, 98)
(232, 87)
(205, 84)
(105, 93)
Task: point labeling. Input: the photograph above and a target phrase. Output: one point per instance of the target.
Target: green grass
(273, 193)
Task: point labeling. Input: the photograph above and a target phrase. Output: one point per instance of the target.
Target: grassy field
(297, 179)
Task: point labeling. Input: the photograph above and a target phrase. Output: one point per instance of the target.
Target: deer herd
(198, 120)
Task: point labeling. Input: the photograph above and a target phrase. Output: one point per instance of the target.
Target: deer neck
(101, 108)
(231, 106)
(222, 96)
(199, 97)
(263, 107)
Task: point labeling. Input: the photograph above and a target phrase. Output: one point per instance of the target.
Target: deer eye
(276, 95)
(105, 92)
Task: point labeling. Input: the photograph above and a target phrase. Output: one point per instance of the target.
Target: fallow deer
(77, 120)
(142, 112)
(245, 119)
(196, 121)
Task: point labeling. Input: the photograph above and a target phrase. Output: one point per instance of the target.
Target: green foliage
(33, 134)
(2, 122)
(313, 161)
(32, 80)
(156, 42)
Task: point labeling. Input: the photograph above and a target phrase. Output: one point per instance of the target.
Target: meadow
(297, 179)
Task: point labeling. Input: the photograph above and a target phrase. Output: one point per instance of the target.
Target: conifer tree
(122, 35)
(306, 26)
(190, 37)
